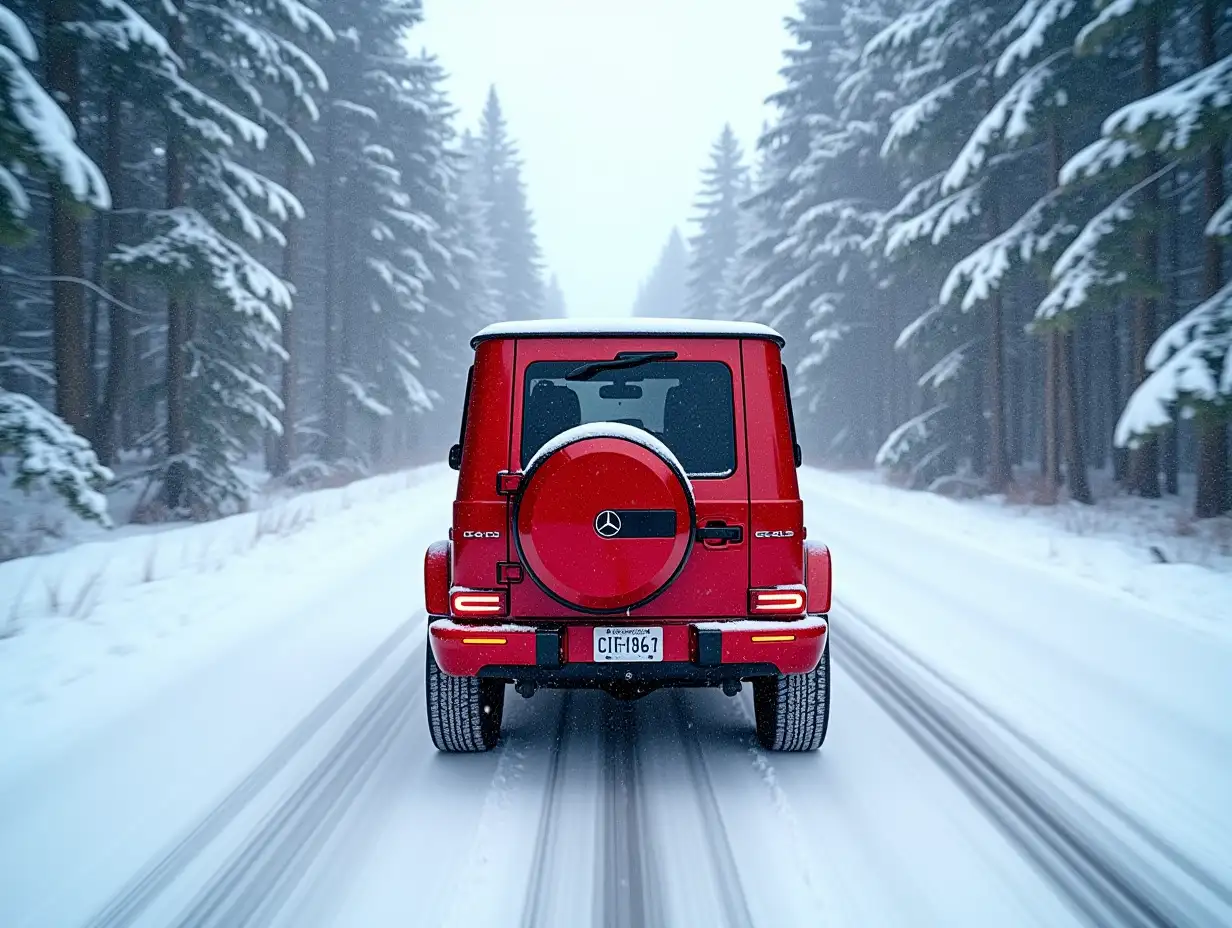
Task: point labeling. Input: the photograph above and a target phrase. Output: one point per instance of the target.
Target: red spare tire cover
(604, 518)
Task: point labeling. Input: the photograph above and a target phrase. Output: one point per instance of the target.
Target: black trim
(508, 572)
(547, 647)
(642, 523)
(551, 594)
(526, 454)
(478, 340)
(709, 647)
(622, 361)
(677, 673)
(797, 452)
(727, 534)
(455, 453)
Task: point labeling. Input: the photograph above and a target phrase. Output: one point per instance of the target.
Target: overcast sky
(615, 106)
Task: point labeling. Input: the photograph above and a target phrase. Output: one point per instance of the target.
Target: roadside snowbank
(1114, 546)
(1116, 665)
(89, 631)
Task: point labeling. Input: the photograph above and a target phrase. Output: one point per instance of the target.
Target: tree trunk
(1097, 415)
(1068, 415)
(115, 388)
(1212, 466)
(70, 341)
(1170, 441)
(98, 306)
(286, 450)
(999, 474)
(1075, 459)
(175, 486)
(1053, 393)
(1116, 395)
(1050, 457)
(1144, 460)
(1087, 348)
(334, 424)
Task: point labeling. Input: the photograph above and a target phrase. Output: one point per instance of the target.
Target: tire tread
(793, 710)
(464, 713)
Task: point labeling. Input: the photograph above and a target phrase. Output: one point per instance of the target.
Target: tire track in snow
(1100, 876)
(630, 896)
(127, 906)
(254, 883)
(537, 900)
(1165, 849)
(723, 861)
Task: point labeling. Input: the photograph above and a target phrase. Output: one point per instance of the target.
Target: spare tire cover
(604, 518)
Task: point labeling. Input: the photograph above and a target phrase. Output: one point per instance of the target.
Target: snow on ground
(243, 724)
(1118, 667)
(1115, 546)
(37, 520)
(90, 631)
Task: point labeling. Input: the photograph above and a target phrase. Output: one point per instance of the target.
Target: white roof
(627, 325)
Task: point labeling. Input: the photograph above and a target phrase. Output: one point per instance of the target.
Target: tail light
(477, 603)
(776, 601)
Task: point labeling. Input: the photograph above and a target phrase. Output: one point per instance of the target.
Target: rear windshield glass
(686, 404)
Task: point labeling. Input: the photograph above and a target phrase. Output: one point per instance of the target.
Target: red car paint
(467, 649)
(534, 536)
(555, 530)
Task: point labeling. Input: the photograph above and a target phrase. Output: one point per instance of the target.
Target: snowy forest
(994, 232)
(237, 237)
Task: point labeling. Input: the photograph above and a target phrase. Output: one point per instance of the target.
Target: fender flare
(437, 569)
(818, 577)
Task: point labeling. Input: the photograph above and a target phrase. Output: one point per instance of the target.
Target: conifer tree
(664, 294)
(516, 255)
(720, 228)
(223, 302)
(38, 140)
(554, 300)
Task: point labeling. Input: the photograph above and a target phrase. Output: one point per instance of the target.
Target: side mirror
(798, 453)
(455, 457)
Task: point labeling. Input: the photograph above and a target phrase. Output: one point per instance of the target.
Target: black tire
(793, 710)
(464, 713)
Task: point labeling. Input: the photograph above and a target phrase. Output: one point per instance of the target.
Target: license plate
(623, 645)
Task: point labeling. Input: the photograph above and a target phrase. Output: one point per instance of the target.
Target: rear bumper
(698, 653)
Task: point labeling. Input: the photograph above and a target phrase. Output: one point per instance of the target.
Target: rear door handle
(719, 534)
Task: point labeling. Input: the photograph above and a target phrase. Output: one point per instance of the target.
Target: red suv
(627, 518)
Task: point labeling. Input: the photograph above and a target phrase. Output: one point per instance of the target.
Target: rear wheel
(793, 710)
(464, 713)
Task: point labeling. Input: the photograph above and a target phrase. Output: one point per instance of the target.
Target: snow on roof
(628, 325)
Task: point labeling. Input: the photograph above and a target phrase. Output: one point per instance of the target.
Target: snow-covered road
(1009, 745)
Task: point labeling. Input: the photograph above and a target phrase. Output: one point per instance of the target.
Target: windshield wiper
(622, 360)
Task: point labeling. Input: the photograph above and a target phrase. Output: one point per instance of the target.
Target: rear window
(687, 405)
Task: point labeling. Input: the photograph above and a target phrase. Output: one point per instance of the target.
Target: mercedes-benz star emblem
(607, 524)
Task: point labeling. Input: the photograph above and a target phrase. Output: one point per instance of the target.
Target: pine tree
(38, 140)
(465, 300)
(819, 197)
(1189, 367)
(130, 66)
(554, 301)
(1028, 82)
(665, 292)
(476, 251)
(720, 226)
(233, 199)
(516, 254)
(224, 303)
